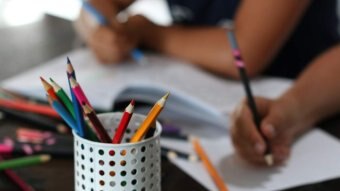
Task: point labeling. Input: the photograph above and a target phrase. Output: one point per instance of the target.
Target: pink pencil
(78, 92)
(123, 123)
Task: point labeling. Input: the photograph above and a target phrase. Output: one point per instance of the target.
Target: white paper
(314, 158)
(103, 83)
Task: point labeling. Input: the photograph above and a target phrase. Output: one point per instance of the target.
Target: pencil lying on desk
(136, 53)
(172, 154)
(251, 102)
(22, 105)
(150, 118)
(208, 165)
(124, 122)
(24, 161)
(17, 179)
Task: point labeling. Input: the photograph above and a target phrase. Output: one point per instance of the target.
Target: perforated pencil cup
(117, 167)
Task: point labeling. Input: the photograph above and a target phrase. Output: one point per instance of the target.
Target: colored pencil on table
(251, 102)
(150, 118)
(22, 105)
(135, 53)
(48, 88)
(63, 97)
(208, 165)
(124, 122)
(101, 132)
(17, 180)
(24, 161)
(63, 113)
(39, 121)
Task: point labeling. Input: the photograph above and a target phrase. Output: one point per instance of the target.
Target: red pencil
(49, 89)
(123, 123)
(22, 105)
(78, 92)
(100, 130)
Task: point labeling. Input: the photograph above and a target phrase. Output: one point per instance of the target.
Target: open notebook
(195, 94)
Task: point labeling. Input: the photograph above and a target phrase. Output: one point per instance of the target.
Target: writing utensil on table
(124, 122)
(172, 154)
(101, 132)
(250, 99)
(149, 119)
(17, 180)
(27, 106)
(208, 165)
(24, 161)
(37, 121)
(136, 54)
(62, 112)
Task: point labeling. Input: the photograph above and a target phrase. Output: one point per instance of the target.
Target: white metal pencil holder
(126, 166)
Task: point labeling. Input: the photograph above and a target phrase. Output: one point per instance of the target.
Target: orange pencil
(208, 165)
(49, 89)
(124, 122)
(150, 118)
(100, 130)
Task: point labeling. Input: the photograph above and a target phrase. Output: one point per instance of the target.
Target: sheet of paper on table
(315, 157)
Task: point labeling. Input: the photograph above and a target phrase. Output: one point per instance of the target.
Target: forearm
(261, 29)
(316, 93)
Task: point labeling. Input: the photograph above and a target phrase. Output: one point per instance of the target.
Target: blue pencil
(63, 113)
(136, 53)
(77, 108)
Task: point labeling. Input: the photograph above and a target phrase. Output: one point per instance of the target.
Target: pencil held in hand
(251, 102)
(150, 118)
(24, 161)
(123, 123)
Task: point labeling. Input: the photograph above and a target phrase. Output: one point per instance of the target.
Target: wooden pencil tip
(73, 82)
(45, 158)
(269, 159)
(166, 95)
(52, 80)
(132, 102)
(68, 60)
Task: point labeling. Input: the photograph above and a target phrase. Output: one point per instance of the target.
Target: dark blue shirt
(316, 32)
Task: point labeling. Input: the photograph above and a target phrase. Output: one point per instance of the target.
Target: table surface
(26, 46)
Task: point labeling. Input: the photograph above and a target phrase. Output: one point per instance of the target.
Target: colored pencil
(101, 132)
(150, 118)
(63, 97)
(39, 121)
(24, 161)
(78, 92)
(250, 99)
(29, 107)
(83, 127)
(124, 122)
(48, 88)
(172, 154)
(208, 165)
(63, 113)
(135, 53)
(17, 180)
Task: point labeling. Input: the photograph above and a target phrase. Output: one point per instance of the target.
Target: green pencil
(24, 161)
(63, 97)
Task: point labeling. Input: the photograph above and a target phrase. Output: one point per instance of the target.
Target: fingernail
(259, 148)
(270, 128)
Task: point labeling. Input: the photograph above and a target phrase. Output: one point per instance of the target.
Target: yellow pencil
(208, 165)
(150, 118)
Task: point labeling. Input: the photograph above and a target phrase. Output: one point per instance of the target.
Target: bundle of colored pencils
(80, 116)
